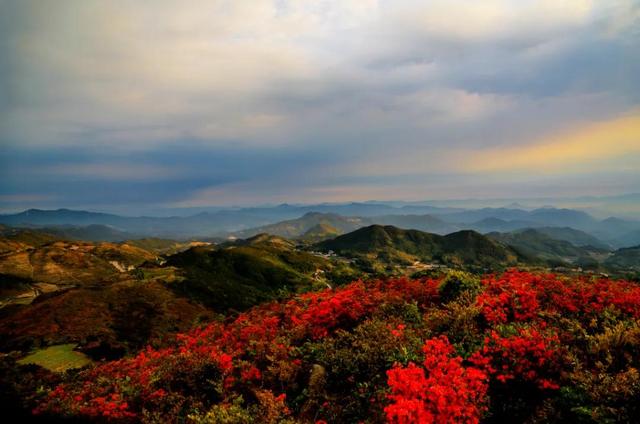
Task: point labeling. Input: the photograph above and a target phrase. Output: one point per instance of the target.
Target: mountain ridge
(396, 245)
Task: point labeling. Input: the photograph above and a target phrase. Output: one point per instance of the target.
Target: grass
(57, 358)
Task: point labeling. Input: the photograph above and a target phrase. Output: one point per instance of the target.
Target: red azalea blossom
(521, 296)
(260, 349)
(529, 356)
(441, 391)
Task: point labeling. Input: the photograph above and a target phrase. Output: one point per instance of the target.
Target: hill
(13, 239)
(292, 221)
(562, 218)
(618, 232)
(163, 246)
(99, 296)
(474, 215)
(110, 299)
(106, 321)
(319, 232)
(63, 262)
(426, 223)
(573, 236)
(315, 226)
(628, 238)
(202, 224)
(489, 225)
(390, 244)
(41, 217)
(93, 232)
(538, 244)
(242, 274)
(625, 259)
(297, 228)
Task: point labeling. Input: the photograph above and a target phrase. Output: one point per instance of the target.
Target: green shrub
(457, 282)
(355, 365)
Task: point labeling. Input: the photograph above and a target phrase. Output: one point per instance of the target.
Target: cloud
(474, 22)
(26, 198)
(112, 171)
(588, 145)
(331, 92)
(119, 72)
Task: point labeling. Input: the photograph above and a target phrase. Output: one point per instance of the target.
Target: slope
(394, 245)
(246, 273)
(537, 244)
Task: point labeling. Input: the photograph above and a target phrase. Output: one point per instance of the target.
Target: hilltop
(64, 262)
(394, 245)
(319, 232)
(242, 274)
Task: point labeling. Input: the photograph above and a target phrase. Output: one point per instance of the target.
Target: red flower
(441, 391)
(528, 356)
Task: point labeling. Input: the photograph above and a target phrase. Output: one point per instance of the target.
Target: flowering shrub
(217, 361)
(529, 356)
(442, 391)
(521, 296)
(513, 347)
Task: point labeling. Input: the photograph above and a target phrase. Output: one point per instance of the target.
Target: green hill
(246, 273)
(315, 226)
(573, 236)
(538, 244)
(319, 232)
(265, 240)
(624, 259)
(389, 244)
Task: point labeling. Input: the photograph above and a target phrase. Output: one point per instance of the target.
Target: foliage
(518, 347)
(457, 282)
(239, 277)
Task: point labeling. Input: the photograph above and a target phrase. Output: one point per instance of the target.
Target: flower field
(514, 347)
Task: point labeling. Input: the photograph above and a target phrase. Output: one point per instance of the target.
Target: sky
(134, 105)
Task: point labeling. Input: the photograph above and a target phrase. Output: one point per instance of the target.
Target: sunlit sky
(165, 104)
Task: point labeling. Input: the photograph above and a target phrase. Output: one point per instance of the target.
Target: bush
(528, 347)
(457, 282)
(440, 391)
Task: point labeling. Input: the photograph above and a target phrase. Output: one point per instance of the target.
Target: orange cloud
(565, 151)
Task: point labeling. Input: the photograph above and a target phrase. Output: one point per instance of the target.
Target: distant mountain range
(329, 220)
(556, 223)
(323, 225)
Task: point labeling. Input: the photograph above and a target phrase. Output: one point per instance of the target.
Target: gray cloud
(226, 100)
